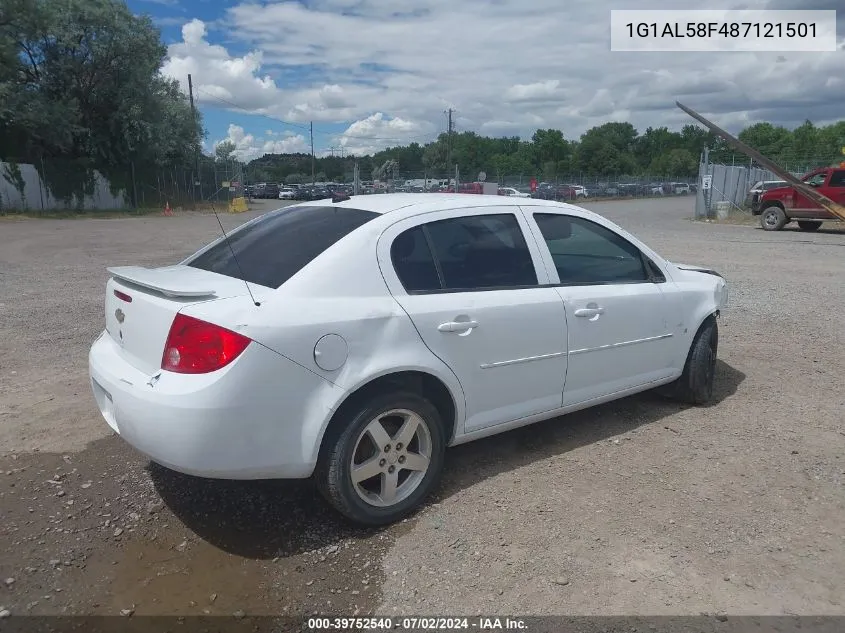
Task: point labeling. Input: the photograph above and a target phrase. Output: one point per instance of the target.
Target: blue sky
(376, 73)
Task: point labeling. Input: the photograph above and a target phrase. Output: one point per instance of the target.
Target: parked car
(758, 189)
(515, 193)
(352, 342)
(309, 192)
(265, 190)
(680, 188)
(580, 192)
(286, 194)
(547, 191)
(782, 205)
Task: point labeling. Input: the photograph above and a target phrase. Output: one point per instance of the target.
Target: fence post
(134, 185)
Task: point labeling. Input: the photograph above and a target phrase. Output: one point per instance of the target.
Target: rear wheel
(379, 466)
(695, 386)
(809, 225)
(773, 218)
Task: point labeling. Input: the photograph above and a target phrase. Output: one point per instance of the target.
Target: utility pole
(197, 180)
(313, 178)
(449, 137)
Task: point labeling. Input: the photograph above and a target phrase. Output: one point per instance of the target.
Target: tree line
(610, 150)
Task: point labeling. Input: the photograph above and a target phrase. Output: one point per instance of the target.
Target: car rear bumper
(253, 419)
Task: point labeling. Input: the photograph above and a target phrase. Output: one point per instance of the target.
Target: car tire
(351, 443)
(809, 225)
(695, 386)
(773, 218)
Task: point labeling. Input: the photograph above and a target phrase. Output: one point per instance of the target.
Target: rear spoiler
(823, 201)
(168, 282)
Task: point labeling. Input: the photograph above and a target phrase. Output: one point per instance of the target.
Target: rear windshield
(276, 247)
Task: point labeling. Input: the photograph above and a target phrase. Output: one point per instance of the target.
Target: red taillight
(198, 347)
(122, 295)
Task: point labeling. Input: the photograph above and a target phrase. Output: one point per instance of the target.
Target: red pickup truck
(778, 207)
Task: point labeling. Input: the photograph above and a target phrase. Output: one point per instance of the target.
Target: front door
(618, 339)
(804, 207)
(618, 322)
(472, 287)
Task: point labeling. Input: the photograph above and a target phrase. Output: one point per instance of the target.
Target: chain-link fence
(50, 185)
(562, 187)
(725, 189)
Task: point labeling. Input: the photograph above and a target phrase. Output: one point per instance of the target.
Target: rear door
(620, 325)
(473, 286)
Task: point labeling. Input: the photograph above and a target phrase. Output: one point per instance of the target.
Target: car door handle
(457, 326)
(589, 312)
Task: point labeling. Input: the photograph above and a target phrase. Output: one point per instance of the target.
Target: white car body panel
(265, 414)
(514, 193)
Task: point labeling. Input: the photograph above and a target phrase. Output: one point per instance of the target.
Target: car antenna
(235, 257)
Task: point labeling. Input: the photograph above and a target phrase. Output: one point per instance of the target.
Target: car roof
(410, 204)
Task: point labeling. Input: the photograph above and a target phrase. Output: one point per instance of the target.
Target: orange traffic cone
(167, 210)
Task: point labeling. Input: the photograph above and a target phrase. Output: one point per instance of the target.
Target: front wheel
(773, 219)
(809, 225)
(381, 464)
(695, 386)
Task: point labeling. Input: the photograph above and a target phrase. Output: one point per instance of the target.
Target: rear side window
(470, 253)
(837, 178)
(276, 247)
(482, 251)
(413, 261)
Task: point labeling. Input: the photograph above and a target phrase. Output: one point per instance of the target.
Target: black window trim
(650, 277)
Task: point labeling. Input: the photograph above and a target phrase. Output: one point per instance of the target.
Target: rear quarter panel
(342, 292)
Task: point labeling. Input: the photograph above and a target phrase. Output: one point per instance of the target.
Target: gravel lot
(636, 507)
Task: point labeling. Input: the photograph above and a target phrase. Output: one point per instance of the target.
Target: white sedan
(353, 340)
(510, 191)
(286, 194)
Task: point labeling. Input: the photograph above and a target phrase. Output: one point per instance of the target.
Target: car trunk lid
(141, 304)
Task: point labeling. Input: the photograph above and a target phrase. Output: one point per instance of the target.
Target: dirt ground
(638, 507)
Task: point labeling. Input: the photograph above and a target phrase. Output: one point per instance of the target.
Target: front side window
(817, 180)
(274, 248)
(587, 253)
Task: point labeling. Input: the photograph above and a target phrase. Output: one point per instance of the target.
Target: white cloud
(378, 131)
(506, 66)
(539, 91)
(248, 147)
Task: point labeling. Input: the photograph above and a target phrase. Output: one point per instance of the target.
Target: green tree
(608, 150)
(772, 141)
(80, 81)
(676, 162)
(223, 152)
